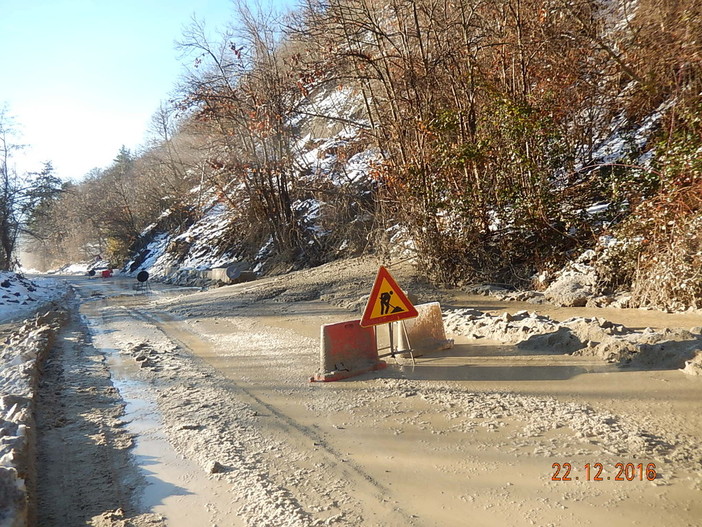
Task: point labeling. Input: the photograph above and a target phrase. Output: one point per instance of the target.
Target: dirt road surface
(212, 390)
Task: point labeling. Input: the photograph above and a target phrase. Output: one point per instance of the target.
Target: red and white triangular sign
(387, 302)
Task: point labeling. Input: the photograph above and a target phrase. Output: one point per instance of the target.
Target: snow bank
(75, 268)
(510, 329)
(21, 356)
(82, 268)
(575, 284)
(20, 297)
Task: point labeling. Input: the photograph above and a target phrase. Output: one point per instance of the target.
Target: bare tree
(240, 89)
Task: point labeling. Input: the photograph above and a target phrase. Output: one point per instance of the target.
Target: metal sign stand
(393, 349)
(143, 283)
(144, 287)
(409, 343)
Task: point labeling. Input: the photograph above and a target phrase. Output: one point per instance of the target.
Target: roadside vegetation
(511, 135)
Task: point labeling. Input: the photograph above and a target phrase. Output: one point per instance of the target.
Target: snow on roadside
(21, 356)
(74, 268)
(20, 297)
(81, 268)
(196, 249)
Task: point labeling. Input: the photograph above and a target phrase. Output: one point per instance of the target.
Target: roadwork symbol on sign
(387, 302)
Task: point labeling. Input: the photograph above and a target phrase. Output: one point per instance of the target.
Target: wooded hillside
(507, 137)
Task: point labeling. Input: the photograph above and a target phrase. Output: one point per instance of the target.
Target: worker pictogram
(387, 302)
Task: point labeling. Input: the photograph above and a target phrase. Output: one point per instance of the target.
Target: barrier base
(330, 376)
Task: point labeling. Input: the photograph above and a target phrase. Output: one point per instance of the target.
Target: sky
(81, 78)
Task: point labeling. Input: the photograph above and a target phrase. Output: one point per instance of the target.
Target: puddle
(176, 488)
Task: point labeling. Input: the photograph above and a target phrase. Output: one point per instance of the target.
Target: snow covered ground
(21, 354)
(21, 296)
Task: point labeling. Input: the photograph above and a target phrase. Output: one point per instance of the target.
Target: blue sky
(83, 77)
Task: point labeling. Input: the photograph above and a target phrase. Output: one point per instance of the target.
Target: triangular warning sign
(387, 302)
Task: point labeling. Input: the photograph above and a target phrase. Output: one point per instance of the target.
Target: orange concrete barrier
(347, 350)
(424, 333)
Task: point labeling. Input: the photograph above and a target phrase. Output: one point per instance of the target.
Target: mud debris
(583, 336)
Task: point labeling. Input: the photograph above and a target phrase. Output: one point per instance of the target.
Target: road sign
(387, 302)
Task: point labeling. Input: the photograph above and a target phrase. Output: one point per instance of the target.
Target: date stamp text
(597, 472)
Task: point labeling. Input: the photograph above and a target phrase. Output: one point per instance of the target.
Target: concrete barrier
(220, 274)
(347, 350)
(424, 333)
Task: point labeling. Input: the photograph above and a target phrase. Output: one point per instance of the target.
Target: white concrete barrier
(425, 333)
(220, 274)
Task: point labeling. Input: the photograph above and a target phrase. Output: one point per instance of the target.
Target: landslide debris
(596, 337)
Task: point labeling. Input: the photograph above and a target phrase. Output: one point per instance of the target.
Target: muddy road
(189, 408)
